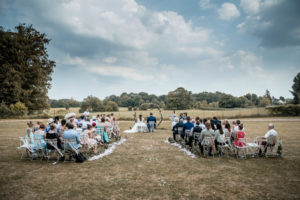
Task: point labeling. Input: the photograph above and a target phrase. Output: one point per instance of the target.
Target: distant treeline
(177, 99)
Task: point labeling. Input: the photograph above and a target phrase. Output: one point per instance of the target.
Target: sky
(113, 46)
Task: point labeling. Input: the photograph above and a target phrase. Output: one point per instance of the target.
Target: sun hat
(50, 120)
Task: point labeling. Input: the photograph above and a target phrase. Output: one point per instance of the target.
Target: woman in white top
(220, 136)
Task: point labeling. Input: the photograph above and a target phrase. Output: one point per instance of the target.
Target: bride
(139, 127)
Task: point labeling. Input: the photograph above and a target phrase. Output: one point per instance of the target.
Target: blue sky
(113, 46)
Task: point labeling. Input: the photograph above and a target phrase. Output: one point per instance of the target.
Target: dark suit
(151, 119)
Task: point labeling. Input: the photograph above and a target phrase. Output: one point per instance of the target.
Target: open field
(145, 167)
(124, 114)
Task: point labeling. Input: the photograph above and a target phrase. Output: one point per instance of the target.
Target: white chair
(241, 148)
(69, 148)
(25, 148)
(52, 149)
(208, 145)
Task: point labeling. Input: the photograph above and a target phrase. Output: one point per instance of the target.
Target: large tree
(296, 89)
(25, 69)
(179, 99)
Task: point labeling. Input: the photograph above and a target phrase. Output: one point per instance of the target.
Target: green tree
(227, 101)
(264, 101)
(92, 103)
(111, 106)
(4, 110)
(296, 89)
(180, 99)
(25, 69)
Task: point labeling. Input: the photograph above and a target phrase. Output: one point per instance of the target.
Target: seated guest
(70, 133)
(265, 140)
(37, 127)
(175, 129)
(72, 121)
(207, 132)
(188, 126)
(108, 126)
(39, 135)
(88, 138)
(61, 130)
(220, 136)
(196, 131)
(212, 124)
(83, 123)
(240, 135)
(50, 123)
(51, 135)
(227, 130)
(56, 122)
(216, 121)
(202, 123)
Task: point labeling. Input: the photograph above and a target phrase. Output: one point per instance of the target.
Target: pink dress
(240, 134)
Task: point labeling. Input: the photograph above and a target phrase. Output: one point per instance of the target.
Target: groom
(151, 122)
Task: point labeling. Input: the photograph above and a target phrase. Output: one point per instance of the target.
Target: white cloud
(228, 11)
(250, 6)
(121, 71)
(206, 4)
(110, 60)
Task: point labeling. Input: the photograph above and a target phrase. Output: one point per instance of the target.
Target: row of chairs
(250, 147)
(47, 149)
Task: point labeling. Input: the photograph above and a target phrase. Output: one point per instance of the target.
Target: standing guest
(37, 127)
(176, 120)
(188, 126)
(29, 132)
(86, 113)
(173, 116)
(220, 136)
(176, 131)
(207, 132)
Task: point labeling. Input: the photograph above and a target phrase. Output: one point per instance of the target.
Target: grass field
(145, 167)
(124, 114)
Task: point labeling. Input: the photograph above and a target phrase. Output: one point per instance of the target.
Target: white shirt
(86, 113)
(236, 129)
(271, 132)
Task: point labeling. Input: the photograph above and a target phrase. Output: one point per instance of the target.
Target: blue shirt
(151, 119)
(188, 126)
(72, 134)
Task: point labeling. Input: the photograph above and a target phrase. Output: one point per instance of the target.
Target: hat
(50, 120)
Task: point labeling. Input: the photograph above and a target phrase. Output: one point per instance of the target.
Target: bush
(4, 110)
(18, 109)
(111, 106)
(144, 106)
(285, 110)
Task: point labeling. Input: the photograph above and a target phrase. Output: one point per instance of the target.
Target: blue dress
(29, 139)
(39, 141)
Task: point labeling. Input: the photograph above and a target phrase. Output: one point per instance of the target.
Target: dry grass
(124, 114)
(145, 167)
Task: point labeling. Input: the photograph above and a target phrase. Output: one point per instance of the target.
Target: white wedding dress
(139, 127)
